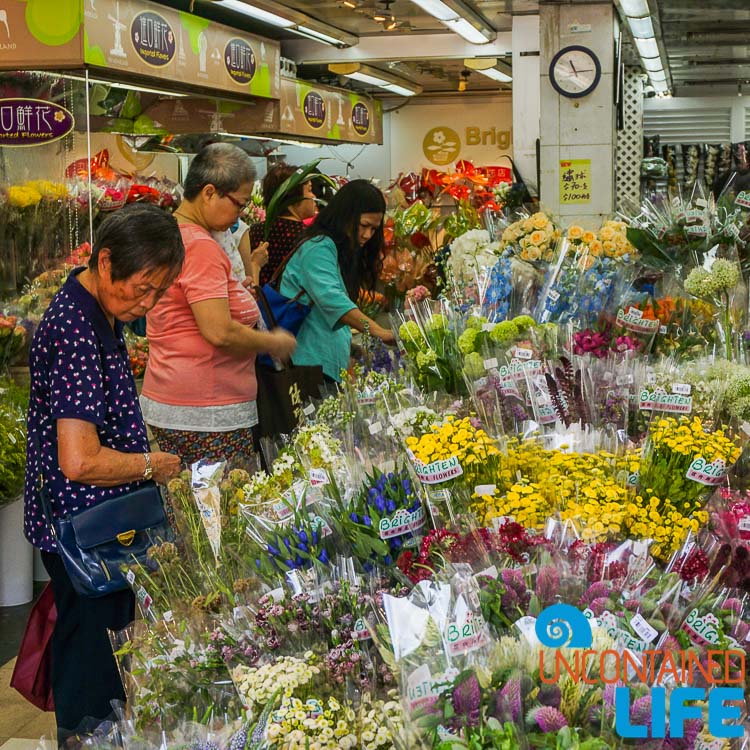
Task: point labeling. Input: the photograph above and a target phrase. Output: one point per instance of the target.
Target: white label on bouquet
(438, 471)
(400, 523)
(743, 199)
(130, 577)
(660, 400)
(366, 397)
(144, 599)
(643, 628)
(319, 524)
(318, 477)
(624, 379)
(485, 489)
(708, 473)
(421, 689)
(168, 616)
(360, 631)
(633, 320)
(481, 383)
(553, 295)
(309, 410)
(487, 327)
(208, 500)
(745, 426)
(281, 509)
(663, 330)
(375, 428)
(547, 414)
(522, 353)
(683, 389)
(491, 363)
(499, 521)
(466, 635)
(527, 626)
(744, 525)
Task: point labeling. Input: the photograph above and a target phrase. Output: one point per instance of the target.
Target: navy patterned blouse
(79, 369)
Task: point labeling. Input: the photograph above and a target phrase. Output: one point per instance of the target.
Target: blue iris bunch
(497, 300)
(372, 511)
(596, 288)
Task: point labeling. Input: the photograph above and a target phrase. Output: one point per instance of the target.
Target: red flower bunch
(591, 342)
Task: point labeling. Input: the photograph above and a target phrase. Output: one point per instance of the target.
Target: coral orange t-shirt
(183, 368)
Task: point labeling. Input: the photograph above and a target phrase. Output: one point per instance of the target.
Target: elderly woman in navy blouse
(87, 438)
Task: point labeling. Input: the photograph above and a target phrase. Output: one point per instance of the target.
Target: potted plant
(16, 554)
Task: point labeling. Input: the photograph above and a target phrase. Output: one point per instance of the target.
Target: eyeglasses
(239, 206)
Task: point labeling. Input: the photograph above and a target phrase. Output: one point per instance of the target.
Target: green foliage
(13, 404)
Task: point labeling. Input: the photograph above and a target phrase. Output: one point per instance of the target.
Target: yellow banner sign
(575, 181)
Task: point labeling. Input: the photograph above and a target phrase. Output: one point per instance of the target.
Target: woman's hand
(259, 255)
(281, 344)
(384, 334)
(166, 466)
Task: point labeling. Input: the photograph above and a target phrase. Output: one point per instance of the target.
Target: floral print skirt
(237, 447)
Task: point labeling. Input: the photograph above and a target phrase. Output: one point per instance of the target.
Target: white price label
(643, 629)
(168, 616)
(522, 353)
(499, 521)
(487, 327)
(527, 626)
(130, 576)
(318, 477)
(309, 410)
(744, 525)
(490, 364)
(683, 389)
(553, 295)
(485, 489)
(375, 428)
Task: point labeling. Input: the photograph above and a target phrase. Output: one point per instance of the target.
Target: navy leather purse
(95, 543)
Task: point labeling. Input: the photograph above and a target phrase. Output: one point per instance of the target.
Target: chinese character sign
(32, 122)
(575, 181)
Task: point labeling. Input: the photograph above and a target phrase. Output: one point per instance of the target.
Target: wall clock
(575, 71)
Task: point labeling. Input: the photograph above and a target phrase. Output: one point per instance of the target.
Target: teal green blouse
(322, 339)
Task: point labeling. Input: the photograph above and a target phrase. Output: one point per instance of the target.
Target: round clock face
(575, 71)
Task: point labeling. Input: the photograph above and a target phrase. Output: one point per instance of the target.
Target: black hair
(139, 237)
(339, 220)
(275, 178)
(225, 166)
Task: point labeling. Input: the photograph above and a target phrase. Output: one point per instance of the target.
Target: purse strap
(275, 281)
(41, 490)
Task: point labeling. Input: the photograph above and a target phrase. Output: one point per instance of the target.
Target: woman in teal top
(338, 255)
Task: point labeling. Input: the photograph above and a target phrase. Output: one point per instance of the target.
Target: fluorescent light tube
(635, 8)
(652, 65)
(495, 74)
(469, 32)
(318, 35)
(365, 78)
(641, 28)
(260, 15)
(660, 86)
(401, 90)
(659, 75)
(437, 9)
(647, 47)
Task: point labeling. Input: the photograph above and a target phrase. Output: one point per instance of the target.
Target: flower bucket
(16, 557)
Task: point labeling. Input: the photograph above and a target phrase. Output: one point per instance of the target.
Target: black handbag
(96, 542)
(282, 389)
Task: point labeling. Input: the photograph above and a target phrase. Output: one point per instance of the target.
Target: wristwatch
(148, 472)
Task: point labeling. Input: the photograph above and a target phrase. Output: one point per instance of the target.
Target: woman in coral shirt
(199, 389)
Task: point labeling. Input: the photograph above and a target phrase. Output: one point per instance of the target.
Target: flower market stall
(530, 527)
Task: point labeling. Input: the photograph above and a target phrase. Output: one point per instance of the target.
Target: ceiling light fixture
(349, 4)
(376, 77)
(490, 67)
(460, 19)
(647, 47)
(274, 14)
(635, 8)
(641, 28)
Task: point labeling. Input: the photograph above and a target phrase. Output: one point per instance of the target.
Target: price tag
(485, 489)
(683, 389)
(522, 353)
(168, 616)
(663, 330)
(487, 327)
(490, 364)
(744, 525)
(553, 295)
(130, 577)
(645, 631)
(375, 428)
(527, 626)
(277, 594)
(309, 410)
(318, 477)
(499, 521)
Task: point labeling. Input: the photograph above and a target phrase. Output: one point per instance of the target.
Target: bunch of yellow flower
(460, 439)
(660, 520)
(610, 242)
(48, 189)
(586, 488)
(23, 196)
(682, 462)
(533, 238)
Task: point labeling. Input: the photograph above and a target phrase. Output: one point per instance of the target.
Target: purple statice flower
(547, 585)
(467, 698)
(598, 605)
(549, 719)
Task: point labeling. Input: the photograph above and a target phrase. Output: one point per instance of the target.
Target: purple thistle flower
(508, 701)
(549, 695)
(598, 605)
(640, 711)
(549, 719)
(466, 700)
(594, 591)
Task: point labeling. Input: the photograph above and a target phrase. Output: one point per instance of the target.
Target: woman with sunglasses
(199, 389)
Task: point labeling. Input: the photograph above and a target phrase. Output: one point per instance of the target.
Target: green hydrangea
(738, 385)
(410, 334)
(524, 322)
(467, 340)
(726, 274)
(505, 332)
(476, 321)
(474, 365)
(438, 324)
(427, 359)
(740, 408)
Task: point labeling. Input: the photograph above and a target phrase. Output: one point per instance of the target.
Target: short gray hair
(223, 165)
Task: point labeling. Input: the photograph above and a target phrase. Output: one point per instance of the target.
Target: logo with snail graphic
(677, 679)
(442, 145)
